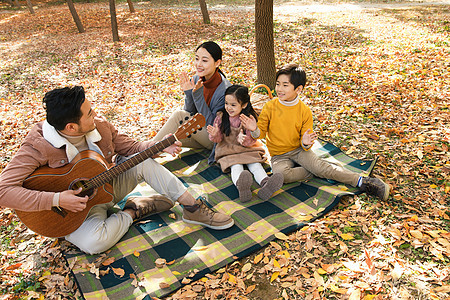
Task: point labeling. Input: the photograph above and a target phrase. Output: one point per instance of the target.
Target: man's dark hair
(297, 75)
(63, 106)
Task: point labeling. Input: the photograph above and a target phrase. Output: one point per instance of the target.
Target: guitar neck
(115, 171)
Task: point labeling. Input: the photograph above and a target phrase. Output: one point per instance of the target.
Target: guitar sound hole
(86, 191)
(89, 193)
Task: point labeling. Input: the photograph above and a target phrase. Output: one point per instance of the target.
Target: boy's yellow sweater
(283, 126)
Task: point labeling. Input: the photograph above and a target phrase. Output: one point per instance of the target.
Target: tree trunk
(131, 6)
(114, 27)
(75, 16)
(30, 6)
(205, 13)
(265, 55)
(16, 3)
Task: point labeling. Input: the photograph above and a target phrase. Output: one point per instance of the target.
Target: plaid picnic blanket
(192, 250)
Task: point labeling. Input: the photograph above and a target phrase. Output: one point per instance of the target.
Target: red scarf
(210, 86)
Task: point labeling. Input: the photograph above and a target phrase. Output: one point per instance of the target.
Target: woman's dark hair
(240, 92)
(63, 106)
(214, 50)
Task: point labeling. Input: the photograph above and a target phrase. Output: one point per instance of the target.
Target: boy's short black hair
(297, 75)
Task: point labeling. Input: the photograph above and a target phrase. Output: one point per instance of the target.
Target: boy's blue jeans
(301, 165)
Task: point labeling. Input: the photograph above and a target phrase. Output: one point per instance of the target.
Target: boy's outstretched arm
(248, 122)
(308, 139)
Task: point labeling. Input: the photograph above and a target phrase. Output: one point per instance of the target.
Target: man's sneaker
(243, 185)
(145, 206)
(375, 187)
(201, 214)
(270, 185)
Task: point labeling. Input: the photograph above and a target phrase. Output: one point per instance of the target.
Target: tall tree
(205, 13)
(75, 16)
(30, 7)
(131, 6)
(114, 27)
(265, 54)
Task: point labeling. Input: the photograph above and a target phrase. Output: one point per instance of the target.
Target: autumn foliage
(378, 86)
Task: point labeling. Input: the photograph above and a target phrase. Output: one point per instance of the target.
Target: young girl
(204, 93)
(236, 148)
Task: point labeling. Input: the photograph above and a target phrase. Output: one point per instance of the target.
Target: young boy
(286, 123)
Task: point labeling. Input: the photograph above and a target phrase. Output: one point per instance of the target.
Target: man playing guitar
(70, 128)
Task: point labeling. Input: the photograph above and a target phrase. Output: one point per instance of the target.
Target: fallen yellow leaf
(164, 285)
(160, 262)
(347, 236)
(258, 258)
(321, 271)
(417, 234)
(304, 218)
(118, 271)
(318, 278)
(246, 267)
(274, 276)
(108, 261)
(231, 278)
(343, 187)
(200, 248)
(281, 236)
(337, 289)
(250, 289)
(276, 264)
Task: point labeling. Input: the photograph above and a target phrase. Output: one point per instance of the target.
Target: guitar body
(59, 223)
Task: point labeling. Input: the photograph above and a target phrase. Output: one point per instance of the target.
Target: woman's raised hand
(248, 122)
(186, 83)
(198, 85)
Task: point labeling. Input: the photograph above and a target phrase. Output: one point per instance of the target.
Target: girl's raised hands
(248, 122)
(213, 130)
(243, 139)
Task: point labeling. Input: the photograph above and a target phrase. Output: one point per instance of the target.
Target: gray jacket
(195, 102)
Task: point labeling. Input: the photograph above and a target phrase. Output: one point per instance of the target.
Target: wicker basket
(258, 100)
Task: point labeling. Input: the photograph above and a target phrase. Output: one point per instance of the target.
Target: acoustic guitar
(90, 171)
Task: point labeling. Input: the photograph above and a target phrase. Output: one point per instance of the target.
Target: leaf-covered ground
(378, 86)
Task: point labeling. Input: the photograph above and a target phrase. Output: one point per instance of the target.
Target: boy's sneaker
(270, 185)
(243, 184)
(145, 206)
(204, 215)
(375, 187)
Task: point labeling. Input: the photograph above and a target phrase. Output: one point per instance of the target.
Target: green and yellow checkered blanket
(193, 251)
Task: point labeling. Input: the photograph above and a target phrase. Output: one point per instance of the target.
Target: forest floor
(378, 86)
